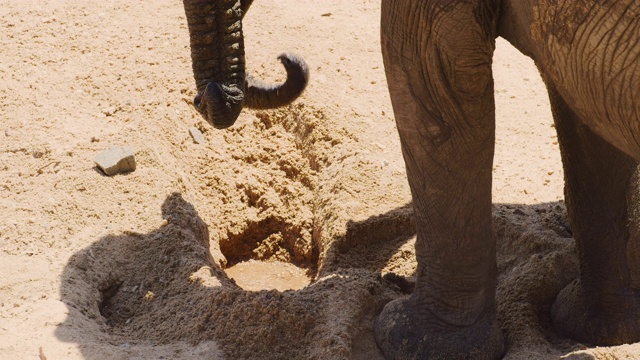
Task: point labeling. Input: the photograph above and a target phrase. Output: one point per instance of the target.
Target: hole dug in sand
(270, 254)
(193, 279)
(255, 275)
(266, 200)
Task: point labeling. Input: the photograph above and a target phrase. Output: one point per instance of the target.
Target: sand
(306, 207)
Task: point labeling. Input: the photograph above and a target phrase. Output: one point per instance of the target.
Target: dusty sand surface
(311, 197)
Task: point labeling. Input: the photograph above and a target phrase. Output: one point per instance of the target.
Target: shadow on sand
(161, 295)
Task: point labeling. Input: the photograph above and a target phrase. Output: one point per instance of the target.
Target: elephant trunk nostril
(219, 104)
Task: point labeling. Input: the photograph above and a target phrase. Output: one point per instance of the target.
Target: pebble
(109, 111)
(116, 160)
(196, 135)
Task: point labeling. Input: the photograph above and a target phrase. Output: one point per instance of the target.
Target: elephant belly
(590, 51)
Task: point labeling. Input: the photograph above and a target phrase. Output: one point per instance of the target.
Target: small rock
(519, 212)
(196, 135)
(110, 110)
(116, 160)
(8, 133)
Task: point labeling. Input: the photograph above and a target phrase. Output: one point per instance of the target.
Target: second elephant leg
(438, 65)
(603, 305)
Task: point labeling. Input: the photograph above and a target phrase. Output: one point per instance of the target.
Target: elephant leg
(603, 305)
(438, 64)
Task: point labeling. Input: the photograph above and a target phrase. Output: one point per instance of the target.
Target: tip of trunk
(219, 104)
(261, 95)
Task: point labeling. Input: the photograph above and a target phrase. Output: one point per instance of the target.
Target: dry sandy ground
(133, 266)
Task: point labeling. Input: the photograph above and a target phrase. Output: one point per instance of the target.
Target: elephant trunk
(266, 96)
(217, 54)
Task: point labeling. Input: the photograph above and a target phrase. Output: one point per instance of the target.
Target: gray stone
(116, 160)
(196, 135)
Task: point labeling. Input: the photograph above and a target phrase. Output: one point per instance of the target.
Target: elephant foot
(403, 331)
(613, 319)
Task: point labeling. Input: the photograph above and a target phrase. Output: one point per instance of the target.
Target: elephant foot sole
(613, 320)
(403, 334)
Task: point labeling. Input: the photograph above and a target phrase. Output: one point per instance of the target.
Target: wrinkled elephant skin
(217, 54)
(437, 58)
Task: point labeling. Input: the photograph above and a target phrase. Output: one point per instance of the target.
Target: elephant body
(437, 57)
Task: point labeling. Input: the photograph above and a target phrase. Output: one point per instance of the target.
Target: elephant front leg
(603, 305)
(438, 65)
